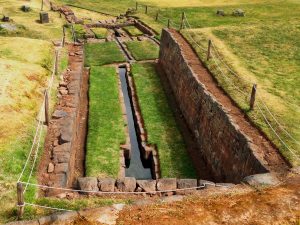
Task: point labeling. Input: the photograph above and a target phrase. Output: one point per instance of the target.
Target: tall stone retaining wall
(224, 147)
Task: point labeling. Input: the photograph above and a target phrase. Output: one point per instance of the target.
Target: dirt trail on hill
(276, 205)
(263, 148)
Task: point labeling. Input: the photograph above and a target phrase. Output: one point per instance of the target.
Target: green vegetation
(160, 123)
(98, 54)
(142, 50)
(79, 31)
(133, 31)
(106, 126)
(100, 32)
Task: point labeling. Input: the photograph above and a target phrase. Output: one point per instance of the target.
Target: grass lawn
(142, 50)
(133, 31)
(160, 123)
(98, 54)
(100, 32)
(79, 31)
(27, 23)
(106, 126)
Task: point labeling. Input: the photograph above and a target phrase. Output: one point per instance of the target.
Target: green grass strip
(132, 30)
(160, 123)
(100, 32)
(143, 50)
(105, 126)
(98, 54)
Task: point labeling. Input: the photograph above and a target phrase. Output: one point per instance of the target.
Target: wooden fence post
(252, 99)
(46, 108)
(156, 18)
(64, 36)
(136, 6)
(182, 20)
(208, 50)
(20, 195)
(56, 62)
(168, 23)
(146, 9)
(42, 7)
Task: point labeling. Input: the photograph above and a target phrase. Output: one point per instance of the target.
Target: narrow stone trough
(136, 166)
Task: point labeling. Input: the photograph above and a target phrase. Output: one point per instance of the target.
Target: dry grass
(195, 3)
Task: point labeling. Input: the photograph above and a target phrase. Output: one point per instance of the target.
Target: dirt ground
(276, 205)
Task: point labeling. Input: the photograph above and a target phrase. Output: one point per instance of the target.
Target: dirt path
(264, 149)
(276, 205)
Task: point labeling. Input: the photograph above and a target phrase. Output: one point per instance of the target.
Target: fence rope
(39, 124)
(47, 207)
(112, 192)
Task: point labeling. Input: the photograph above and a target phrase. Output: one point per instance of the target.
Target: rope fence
(35, 147)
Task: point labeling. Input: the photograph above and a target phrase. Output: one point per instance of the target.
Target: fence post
(182, 20)
(136, 6)
(64, 36)
(146, 9)
(42, 6)
(46, 108)
(156, 18)
(20, 196)
(209, 50)
(252, 99)
(168, 23)
(56, 62)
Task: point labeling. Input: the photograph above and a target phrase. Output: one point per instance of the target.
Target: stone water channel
(135, 165)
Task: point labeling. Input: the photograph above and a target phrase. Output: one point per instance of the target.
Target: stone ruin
(44, 17)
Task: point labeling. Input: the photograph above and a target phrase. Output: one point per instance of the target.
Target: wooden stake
(42, 7)
(20, 195)
(146, 9)
(252, 99)
(46, 108)
(56, 62)
(209, 50)
(64, 37)
(156, 18)
(168, 23)
(136, 6)
(182, 20)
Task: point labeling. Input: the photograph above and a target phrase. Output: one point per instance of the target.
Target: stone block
(106, 184)
(66, 147)
(166, 184)
(128, 184)
(147, 185)
(59, 179)
(44, 17)
(61, 168)
(261, 179)
(88, 183)
(50, 168)
(59, 114)
(206, 183)
(66, 132)
(61, 157)
(186, 183)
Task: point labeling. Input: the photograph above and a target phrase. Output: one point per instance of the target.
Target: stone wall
(224, 147)
(63, 133)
